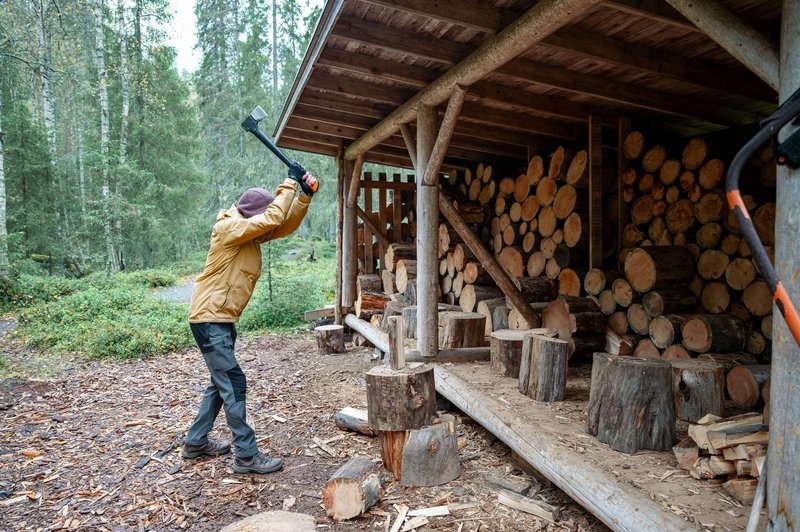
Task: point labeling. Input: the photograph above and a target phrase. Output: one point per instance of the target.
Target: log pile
(734, 449)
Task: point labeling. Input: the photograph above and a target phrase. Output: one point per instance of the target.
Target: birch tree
(3, 229)
(45, 69)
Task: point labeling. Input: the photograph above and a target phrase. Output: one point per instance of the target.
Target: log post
(355, 183)
(620, 398)
(330, 339)
(443, 138)
(340, 182)
(397, 354)
(499, 275)
(427, 239)
(349, 249)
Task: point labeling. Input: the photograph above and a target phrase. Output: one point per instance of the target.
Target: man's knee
(238, 383)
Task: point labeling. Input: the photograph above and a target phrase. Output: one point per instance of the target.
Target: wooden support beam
(341, 164)
(376, 337)
(541, 20)
(487, 260)
(411, 143)
(595, 194)
(444, 136)
(372, 227)
(733, 34)
(427, 237)
(355, 182)
(349, 247)
(783, 484)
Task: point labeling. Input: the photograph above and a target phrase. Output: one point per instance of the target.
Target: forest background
(111, 159)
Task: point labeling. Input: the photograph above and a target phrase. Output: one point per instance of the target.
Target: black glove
(296, 172)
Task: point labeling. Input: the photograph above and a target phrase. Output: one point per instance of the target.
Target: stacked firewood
(684, 254)
(734, 448)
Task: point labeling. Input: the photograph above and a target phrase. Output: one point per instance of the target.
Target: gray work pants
(227, 389)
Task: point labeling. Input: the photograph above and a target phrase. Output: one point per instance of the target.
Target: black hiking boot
(258, 463)
(211, 448)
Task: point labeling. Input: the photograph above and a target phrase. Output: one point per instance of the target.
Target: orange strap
(735, 200)
(788, 311)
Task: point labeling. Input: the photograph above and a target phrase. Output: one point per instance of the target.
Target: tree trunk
(546, 365)
(102, 82)
(330, 339)
(705, 333)
(399, 400)
(461, 329)
(622, 392)
(45, 71)
(506, 350)
(3, 227)
(698, 388)
(124, 84)
(352, 489)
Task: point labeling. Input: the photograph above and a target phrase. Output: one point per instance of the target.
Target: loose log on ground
(657, 267)
(330, 339)
(698, 388)
(461, 329)
(399, 400)
(472, 294)
(546, 359)
(352, 489)
(430, 455)
(665, 330)
(744, 384)
(705, 333)
(686, 453)
(355, 419)
(622, 392)
(506, 350)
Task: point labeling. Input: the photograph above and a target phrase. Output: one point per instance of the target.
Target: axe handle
(272, 147)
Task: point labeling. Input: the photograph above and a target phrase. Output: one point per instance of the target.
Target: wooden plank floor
(641, 492)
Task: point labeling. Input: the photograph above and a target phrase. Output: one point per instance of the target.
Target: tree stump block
(698, 388)
(506, 351)
(630, 403)
(461, 329)
(423, 457)
(401, 399)
(545, 368)
(330, 339)
(352, 489)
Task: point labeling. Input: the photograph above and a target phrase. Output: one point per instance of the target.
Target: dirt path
(98, 448)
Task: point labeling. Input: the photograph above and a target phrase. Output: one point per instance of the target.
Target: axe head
(251, 122)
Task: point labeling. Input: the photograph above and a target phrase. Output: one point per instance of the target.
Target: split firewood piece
(352, 489)
(742, 489)
(744, 384)
(686, 453)
(711, 431)
(698, 388)
(461, 329)
(705, 333)
(519, 502)
(657, 267)
(430, 454)
(621, 394)
(506, 351)
(546, 367)
(486, 308)
(330, 339)
(400, 399)
(369, 304)
(355, 419)
(405, 272)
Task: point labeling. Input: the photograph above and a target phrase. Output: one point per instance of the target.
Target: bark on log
(669, 301)
(369, 283)
(665, 330)
(472, 294)
(486, 308)
(657, 267)
(705, 333)
(461, 329)
(399, 400)
(352, 490)
(623, 390)
(355, 419)
(698, 388)
(330, 339)
(744, 384)
(500, 318)
(506, 352)
(536, 289)
(547, 367)
(398, 251)
(369, 304)
(423, 457)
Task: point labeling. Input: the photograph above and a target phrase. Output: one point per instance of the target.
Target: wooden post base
(461, 329)
(423, 457)
(352, 489)
(630, 403)
(330, 339)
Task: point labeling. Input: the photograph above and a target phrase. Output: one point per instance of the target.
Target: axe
(296, 170)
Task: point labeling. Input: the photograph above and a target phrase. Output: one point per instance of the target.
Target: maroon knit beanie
(254, 201)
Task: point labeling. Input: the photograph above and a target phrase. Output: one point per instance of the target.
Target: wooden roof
(635, 58)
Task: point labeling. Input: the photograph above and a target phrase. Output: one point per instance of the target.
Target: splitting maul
(296, 170)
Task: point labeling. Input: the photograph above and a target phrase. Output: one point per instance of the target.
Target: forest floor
(95, 445)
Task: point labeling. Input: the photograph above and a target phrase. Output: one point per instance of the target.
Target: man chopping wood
(222, 291)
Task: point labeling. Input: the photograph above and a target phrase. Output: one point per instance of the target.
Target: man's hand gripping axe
(296, 170)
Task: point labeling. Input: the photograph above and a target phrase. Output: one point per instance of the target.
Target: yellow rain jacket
(234, 260)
